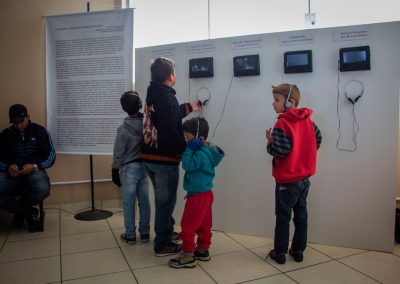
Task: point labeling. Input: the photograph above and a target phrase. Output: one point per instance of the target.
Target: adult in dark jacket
(26, 150)
(162, 148)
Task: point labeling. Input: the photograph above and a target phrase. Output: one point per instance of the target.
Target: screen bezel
(298, 68)
(204, 60)
(243, 72)
(361, 65)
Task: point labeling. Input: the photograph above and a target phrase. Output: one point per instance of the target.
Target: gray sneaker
(202, 254)
(183, 261)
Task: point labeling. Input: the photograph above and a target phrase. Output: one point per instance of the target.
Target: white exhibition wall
(352, 196)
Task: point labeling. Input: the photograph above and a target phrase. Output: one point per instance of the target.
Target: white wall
(352, 196)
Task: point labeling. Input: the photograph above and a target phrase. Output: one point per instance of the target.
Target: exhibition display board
(352, 196)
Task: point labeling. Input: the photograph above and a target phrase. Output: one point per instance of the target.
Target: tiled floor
(71, 251)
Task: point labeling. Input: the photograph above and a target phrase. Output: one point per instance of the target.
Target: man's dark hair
(131, 102)
(161, 69)
(196, 126)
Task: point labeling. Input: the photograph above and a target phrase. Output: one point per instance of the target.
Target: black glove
(115, 177)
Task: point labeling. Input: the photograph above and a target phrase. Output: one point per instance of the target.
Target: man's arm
(47, 152)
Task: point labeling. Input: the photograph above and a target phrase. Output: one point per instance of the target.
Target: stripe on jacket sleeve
(52, 154)
(281, 144)
(318, 136)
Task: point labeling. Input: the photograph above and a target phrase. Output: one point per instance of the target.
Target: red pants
(197, 219)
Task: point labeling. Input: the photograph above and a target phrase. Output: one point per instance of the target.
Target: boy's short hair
(131, 102)
(161, 69)
(284, 89)
(197, 126)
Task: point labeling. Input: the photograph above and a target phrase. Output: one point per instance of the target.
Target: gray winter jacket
(128, 142)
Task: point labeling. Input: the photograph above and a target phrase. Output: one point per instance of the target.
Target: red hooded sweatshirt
(300, 162)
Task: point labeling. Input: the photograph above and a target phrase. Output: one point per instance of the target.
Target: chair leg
(41, 213)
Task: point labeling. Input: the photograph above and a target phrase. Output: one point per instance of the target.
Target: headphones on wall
(288, 103)
(203, 95)
(353, 98)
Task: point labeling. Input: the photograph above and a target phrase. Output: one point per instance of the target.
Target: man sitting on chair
(26, 150)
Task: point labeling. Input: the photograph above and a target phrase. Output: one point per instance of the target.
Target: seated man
(26, 150)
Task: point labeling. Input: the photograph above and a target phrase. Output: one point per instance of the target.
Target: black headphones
(357, 96)
(204, 97)
(288, 103)
(198, 128)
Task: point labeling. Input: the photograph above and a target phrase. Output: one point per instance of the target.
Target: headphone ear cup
(357, 98)
(350, 100)
(288, 104)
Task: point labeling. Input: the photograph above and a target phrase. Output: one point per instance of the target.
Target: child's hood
(156, 90)
(134, 126)
(214, 153)
(297, 114)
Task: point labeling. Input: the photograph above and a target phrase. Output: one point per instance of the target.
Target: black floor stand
(94, 214)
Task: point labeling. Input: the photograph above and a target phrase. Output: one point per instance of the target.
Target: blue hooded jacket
(199, 166)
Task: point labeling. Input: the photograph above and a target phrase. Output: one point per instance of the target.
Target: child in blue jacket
(199, 161)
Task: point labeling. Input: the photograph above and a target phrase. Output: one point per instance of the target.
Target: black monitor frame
(354, 66)
(204, 61)
(297, 68)
(254, 69)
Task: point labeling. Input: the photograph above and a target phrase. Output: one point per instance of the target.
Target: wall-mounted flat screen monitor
(246, 65)
(298, 61)
(354, 58)
(201, 67)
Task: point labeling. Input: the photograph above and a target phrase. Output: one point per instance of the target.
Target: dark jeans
(290, 196)
(165, 183)
(19, 194)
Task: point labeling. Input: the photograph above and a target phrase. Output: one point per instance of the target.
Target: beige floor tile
(142, 256)
(116, 221)
(73, 208)
(69, 225)
(311, 257)
(237, 267)
(383, 267)
(32, 271)
(330, 272)
(93, 263)
(335, 252)
(167, 275)
(114, 278)
(396, 249)
(87, 242)
(30, 249)
(221, 243)
(251, 241)
(51, 229)
(276, 279)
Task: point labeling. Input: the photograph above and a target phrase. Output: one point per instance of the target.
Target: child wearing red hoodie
(293, 143)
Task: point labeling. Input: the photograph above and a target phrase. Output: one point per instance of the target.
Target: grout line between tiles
(92, 276)
(202, 268)
(357, 269)
(59, 231)
(120, 248)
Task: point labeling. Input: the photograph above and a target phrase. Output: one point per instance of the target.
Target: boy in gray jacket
(128, 165)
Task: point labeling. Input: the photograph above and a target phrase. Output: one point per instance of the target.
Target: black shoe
(128, 240)
(170, 249)
(34, 224)
(183, 261)
(297, 255)
(279, 258)
(175, 237)
(202, 254)
(18, 220)
(144, 238)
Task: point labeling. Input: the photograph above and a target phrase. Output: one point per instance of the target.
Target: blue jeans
(290, 196)
(135, 184)
(19, 194)
(165, 183)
